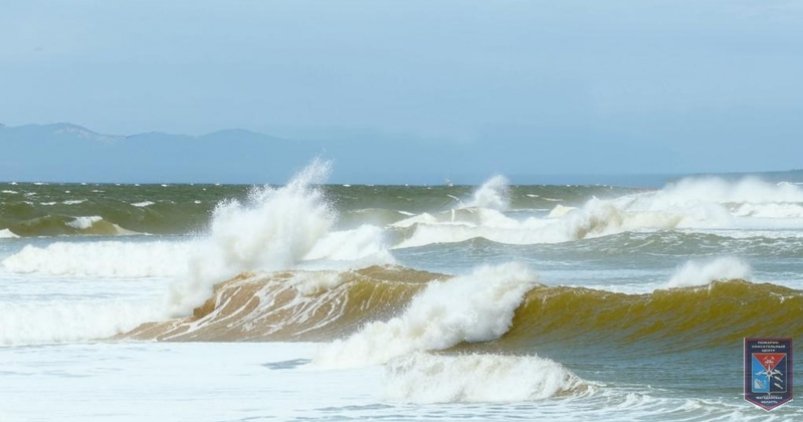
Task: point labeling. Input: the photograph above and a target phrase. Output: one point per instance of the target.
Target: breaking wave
(7, 234)
(67, 225)
(472, 308)
(697, 272)
(28, 323)
(102, 259)
(379, 313)
(690, 204)
(426, 378)
(273, 230)
(418, 216)
(493, 194)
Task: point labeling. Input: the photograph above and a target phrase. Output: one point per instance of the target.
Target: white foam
(425, 218)
(745, 190)
(425, 378)
(691, 204)
(493, 194)
(83, 223)
(560, 211)
(73, 201)
(474, 307)
(311, 283)
(54, 322)
(7, 234)
(142, 204)
(367, 241)
(104, 259)
(702, 272)
(274, 230)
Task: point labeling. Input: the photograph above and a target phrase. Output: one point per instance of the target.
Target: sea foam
(7, 234)
(102, 259)
(472, 308)
(690, 204)
(702, 272)
(425, 378)
(274, 230)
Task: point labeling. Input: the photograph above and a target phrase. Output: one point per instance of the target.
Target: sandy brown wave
(322, 305)
(315, 305)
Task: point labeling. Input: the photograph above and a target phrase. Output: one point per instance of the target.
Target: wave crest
(383, 312)
(426, 378)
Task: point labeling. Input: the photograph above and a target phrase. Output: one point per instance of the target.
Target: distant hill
(65, 152)
(69, 153)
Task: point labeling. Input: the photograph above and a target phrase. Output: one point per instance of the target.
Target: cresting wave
(379, 313)
(102, 259)
(425, 378)
(26, 324)
(306, 218)
(418, 216)
(66, 225)
(703, 204)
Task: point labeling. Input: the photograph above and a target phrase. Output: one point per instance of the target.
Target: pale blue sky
(624, 86)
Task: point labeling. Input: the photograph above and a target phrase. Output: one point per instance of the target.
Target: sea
(314, 301)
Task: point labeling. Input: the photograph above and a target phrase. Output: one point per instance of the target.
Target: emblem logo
(768, 371)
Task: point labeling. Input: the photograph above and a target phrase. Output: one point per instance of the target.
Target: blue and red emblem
(768, 371)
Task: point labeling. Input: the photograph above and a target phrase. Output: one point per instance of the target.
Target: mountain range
(65, 152)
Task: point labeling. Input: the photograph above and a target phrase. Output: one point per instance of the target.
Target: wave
(426, 378)
(494, 210)
(46, 323)
(67, 225)
(702, 272)
(379, 313)
(105, 215)
(7, 234)
(472, 308)
(275, 228)
(292, 305)
(690, 204)
(719, 313)
(102, 259)
(493, 194)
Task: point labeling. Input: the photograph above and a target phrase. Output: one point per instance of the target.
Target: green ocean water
(29, 209)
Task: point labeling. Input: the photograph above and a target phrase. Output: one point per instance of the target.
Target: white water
(692, 204)
(83, 223)
(472, 308)
(60, 321)
(280, 228)
(493, 194)
(7, 234)
(102, 259)
(426, 378)
(702, 272)
(202, 382)
(67, 290)
(292, 227)
(273, 231)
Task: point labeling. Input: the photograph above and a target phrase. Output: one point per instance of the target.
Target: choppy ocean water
(315, 301)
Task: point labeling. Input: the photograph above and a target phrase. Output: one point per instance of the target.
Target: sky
(568, 86)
